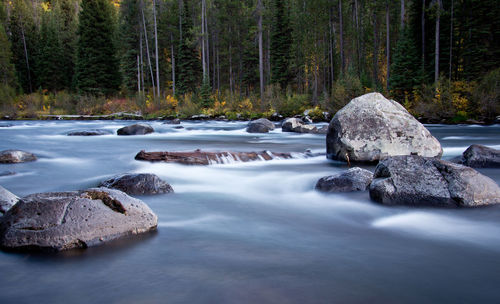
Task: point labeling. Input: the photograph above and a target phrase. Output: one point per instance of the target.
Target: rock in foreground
(479, 156)
(7, 200)
(77, 219)
(354, 179)
(261, 125)
(199, 157)
(16, 156)
(137, 184)
(135, 129)
(420, 181)
(91, 132)
(372, 127)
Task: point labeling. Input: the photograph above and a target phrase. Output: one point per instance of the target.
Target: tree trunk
(451, 40)
(203, 58)
(436, 59)
(261, 55)
(423, 35)
(156, 52)
(341, 24)
(138, 75)
(358, 42)
(26, 57)
(375, 48)
(331, 46)
(142, 63)
(388, 43)
(147, 48)
(173, 62)
(403, 13)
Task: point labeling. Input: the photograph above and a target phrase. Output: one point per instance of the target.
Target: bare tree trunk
(451, 39)
(261, 54)
(207, 47)
(436, 59)
(142, 63)
(138, 75)
(203, 58)
(173, 62)
(403, 13)
(26, 57)
(147, 48)
(180, 19)
(331, 46)
(388, 43)
(423, 34)
(230, 69)
(156, 52)
(375, 48)
(358, 42)
(341, 24)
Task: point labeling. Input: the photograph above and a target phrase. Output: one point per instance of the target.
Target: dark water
(249, 233)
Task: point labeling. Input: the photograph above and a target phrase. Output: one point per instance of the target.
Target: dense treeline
(440, 58)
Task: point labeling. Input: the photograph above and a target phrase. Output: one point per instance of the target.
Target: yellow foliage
(172, 102)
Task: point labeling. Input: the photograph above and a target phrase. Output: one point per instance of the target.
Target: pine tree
(7, 70)
(281, 41)
(97, 67)
(66, 14)
(49, 65)
(130, 31)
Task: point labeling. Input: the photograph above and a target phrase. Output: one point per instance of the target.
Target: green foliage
(486, 96)
(97, 68)
(130, 34)
(205, 90)
(7, 69)
(281, 41)
(344, 90)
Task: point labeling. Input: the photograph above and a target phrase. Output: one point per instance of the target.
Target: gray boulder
(175, 121)
(7, 173)
(372, 127)
(261, 125)
(297, 125)
(135, 129)
(354, 179)
(77, 219)
(16, 156)
(7, 200)
(90, 132)
(479, 156)
(422, 181)
(137, 184)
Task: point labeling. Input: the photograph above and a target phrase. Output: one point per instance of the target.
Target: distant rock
(135, 129)
(372, 127)
(479, 156)
(7, 200)
(16, 156)
(137, 184)
(175, 121)
(354, 179)
(297, 125)
(77, 219)
(276, 117)
(90, 132)
(421, 181)
(261, 125)
(6, 125)
(7, 173)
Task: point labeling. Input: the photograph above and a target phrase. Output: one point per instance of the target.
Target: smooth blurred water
(249, 233)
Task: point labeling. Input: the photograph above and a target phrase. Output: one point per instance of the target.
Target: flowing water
(249, 232)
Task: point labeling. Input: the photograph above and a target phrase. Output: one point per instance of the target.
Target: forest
(250, 58)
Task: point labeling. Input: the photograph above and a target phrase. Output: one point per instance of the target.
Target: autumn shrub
(90, 104)
(7, 98)
(188, 106)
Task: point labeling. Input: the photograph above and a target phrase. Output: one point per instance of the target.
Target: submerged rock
(142, 183)
(7, 200)
(135, 129)
(261, 125)
(372, 127)
(354, 179)
(199, 157)
(76, 219)
(420, 181)
(479, 156)
(91, 132)
(16, 156)
(7, 173)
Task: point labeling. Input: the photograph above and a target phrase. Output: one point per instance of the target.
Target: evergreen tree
(7, 70)
(97, 67)
(65, 12)
(130, 30)
(188, 65)
(49, 64)
(281, 41)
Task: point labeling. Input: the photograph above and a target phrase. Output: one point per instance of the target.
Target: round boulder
(479, 156)
(135, 129)
(16, 156)
(297, 125)
(422, 181)
(372, 127)
(7, 200)
(354, 179)
(77, 219)
(261, 125)
(137, 184)
(91, 132)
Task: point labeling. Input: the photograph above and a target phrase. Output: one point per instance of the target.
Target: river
(249, 232)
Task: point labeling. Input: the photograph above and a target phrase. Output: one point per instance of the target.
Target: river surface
(249, 232)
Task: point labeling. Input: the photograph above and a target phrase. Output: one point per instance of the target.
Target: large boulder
(261, 125)
(76, 219)
(7, 200)
(422, 181)
(90, 132)
(479, 156)
(297, 125)
(135, 129)
(137, 184)
(354, 179)
(16, 156)
(372, 127)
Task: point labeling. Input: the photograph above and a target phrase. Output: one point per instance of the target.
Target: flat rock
(297, 125)
(137, 184)
(16, 156)
(372, 127)
(7, 200)
(199, 157)
(90, 132)
(479, 156)
(354, 179)
(135, 129)
(261, 125)
(424, 181)
(76, 219)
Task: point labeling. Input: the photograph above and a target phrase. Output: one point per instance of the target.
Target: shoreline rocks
(261, 125)
(421, 181)
(354, 179)
(372, 127)
(135, 129)
(16, 156)
(76, 219)
(90, 132)
(137, 184)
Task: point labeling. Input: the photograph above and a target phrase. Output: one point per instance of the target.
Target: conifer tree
(49, 64)
(281, 41)
(7, 70)
(97, 66)
(130, 35)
